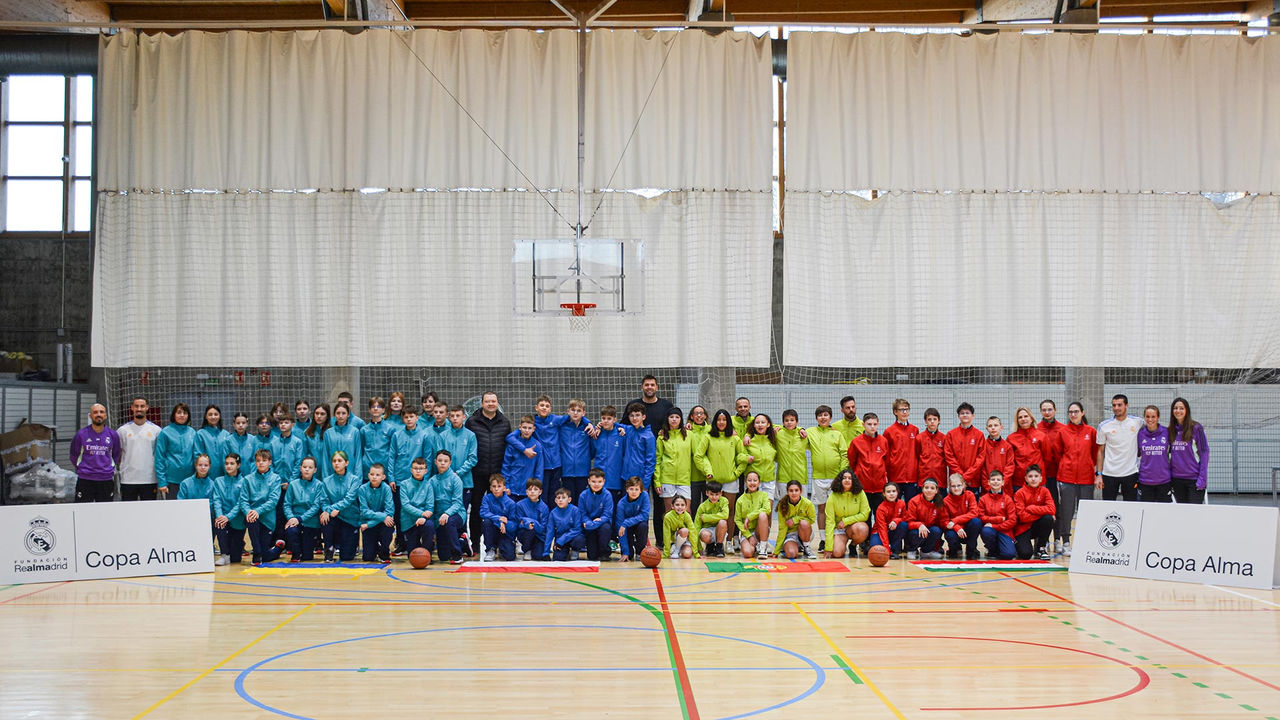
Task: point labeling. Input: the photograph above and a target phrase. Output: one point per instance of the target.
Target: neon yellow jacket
(740, 425)
(708, 515)
(828, 452)
(792, 464)
(849, 430)
(765, 455)
(674, 461)
(803, 510)
(749, 506)
(671, 523)
(848, 508)
(722, 457)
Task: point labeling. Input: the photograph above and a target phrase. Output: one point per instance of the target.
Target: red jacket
(901, 462)
(999, 510)
(965, 450)
(1051, 450)
(1026, 452)
(1076, 466)
(930, 459)
(888, 512)
(866, 457)
(1033, 503)
(959, 509)
(999, 457)
(922, 512)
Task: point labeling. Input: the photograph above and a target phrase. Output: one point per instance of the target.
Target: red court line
(33, 592)
(685, 686)
(1143, 678)
(1124, 624)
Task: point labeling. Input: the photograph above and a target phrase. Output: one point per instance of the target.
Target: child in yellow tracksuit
(712, 521)
(752, 515)
(796, 518)
(678, 530)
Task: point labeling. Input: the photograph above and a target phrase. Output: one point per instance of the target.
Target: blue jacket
(340, 494)
(563, 526)
(461, 444)
(175, 454)
(212, 441)
(288, 459)
(533, 516)
(547, 432)
(606, 454)
(224, 500)
(575, 448)
(630, 512)
(261, 492)
(518, 469)
(376, 504)
(494, 508)
(448, 495)
(406, 446)
(416, 497)
(300, 501)
(596, 505)
(375, 438)
(639, 453)
(347, 439)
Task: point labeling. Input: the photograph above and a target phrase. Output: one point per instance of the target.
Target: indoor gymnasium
(640, 359)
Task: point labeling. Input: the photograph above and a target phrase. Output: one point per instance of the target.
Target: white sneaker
(1066, 549)
(1057, 547)
(808, 552)
(222, 560)
(935, 555)
(528, 556)
(911, 555)
(675, 554)
(489, 555)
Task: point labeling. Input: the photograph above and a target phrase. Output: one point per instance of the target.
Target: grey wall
(36, 299)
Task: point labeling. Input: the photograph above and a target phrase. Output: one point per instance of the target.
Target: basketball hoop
(579, 320)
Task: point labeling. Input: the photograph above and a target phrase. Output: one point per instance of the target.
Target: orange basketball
(420, 558)
(858, 532)
(878, 555)
(650, 556)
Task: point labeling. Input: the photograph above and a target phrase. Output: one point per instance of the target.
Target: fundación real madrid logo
(40, 539)
(1111, 534)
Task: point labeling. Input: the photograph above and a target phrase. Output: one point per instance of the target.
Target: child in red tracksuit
(891, 524)
(999, 515)
(961, 524)
(924, 522)
(1036, 511)
(999, 456)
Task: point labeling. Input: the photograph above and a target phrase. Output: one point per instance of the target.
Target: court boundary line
(222, 662)
(682, 672)
(1126, 625)
(1244, 595)
(852, 665)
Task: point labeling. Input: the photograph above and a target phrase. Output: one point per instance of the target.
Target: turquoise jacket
(406, 446)
(197, 488)
(300, 501)
(340, 494)
(175, 454)
(376, 440)
(287, 462)
(375, 503)
(261, 492)
(233, 443)
(461, 444)
(224, 500)
(212, 441)
(416, 497)
(448, 495)
(347, 439)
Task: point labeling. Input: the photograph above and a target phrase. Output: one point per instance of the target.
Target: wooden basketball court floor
(627, 642)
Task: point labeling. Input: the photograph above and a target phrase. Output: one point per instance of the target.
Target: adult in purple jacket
(95, 454)
(1153, 458)
(1188, 454)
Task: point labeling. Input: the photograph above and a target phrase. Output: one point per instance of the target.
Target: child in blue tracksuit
(417, 507)
(522, 460)
(498, 520)
(377, 513)
(302, 515)
(547, 433)
(449, 516)
(199, 486)
(639, 448)
(564, 529)
(596, 505)
(532, 517)
(631, 517)
(606, 451)
(340, 521)
(259, 494)
(575, 448)
(224, 502)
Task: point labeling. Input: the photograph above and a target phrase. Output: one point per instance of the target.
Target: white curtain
(1029, 279)
(1057, 112)
(418, 278)
(331, 110)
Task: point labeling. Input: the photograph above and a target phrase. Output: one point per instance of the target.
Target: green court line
(662, 622)
(847, 670)
(1249, 707)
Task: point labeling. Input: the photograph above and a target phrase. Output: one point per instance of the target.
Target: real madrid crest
(40, 539)
(1111, 534)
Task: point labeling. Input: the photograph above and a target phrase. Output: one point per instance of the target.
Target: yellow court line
(865, 680)
(224, 661)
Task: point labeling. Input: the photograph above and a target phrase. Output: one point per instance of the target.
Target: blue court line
(820, 676)
(556, 593)
(666, 669)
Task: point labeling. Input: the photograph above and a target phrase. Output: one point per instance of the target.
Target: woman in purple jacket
(1188, 454)
(1153, 458)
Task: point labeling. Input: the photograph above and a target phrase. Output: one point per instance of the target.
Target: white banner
(1213, 544)
(51, 543)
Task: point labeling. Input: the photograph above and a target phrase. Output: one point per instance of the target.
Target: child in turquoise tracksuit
(377, 515)
(259, 494)
(339, 511)
(417, 508)
(302, 514)
(228, 521)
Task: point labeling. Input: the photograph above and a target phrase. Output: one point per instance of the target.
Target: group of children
(567, 485)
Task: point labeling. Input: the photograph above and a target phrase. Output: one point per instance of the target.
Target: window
(46, 150)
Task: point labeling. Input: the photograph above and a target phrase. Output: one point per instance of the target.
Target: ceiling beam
(179, 12)
(56, 11)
